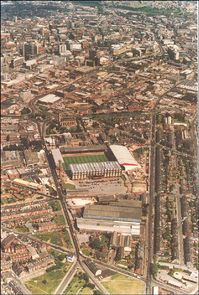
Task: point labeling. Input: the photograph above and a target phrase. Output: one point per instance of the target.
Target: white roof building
(25, 183)
(124, 157)
(57, 156)
(49, 99)
(124, 227)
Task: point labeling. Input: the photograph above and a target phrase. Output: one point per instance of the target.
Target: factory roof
(127, 203)
(132, 228)
(123, 156)
(109, 212)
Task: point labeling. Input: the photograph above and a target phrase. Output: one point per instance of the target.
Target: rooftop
(50, 98)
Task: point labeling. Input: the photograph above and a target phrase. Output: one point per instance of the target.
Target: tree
(96, 244)
(90, 285)
(85, 277)
(96, 125)
(97, 292)
(44, 282)
(25, 111)
(55, 206)
(154, 269)
(118, 254)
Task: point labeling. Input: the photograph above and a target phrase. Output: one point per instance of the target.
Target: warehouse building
(124, 157)
(98, 169)
(128, 228)
(49, 99)
(114, 212)
(123, 216)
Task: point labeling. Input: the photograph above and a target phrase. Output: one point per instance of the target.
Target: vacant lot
(89, 158)
(119, 284)
(106, 186)
(60, 238)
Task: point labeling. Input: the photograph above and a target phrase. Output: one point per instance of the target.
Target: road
(96, 282)
(61, 196)
(178, 208)
(175, 151)
(152, 175)
(67, 279)
(151, 204)
(169, 288)
(150, 229)
(18, 287)
(116, 269)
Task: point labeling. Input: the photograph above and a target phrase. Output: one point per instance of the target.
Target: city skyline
(99, 147)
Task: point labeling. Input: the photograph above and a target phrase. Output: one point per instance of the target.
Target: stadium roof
(64, 149)
(93, 167)
(124, 157)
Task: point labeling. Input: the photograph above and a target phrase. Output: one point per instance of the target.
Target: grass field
(58, 238)
(69, 186)
(119, 284)
(47, 283)
(76, 285)
(83, 159)
(86, 291)
(79, 286)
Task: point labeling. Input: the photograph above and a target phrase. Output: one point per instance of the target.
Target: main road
(67, 279)
(66, 213)
(151, 204)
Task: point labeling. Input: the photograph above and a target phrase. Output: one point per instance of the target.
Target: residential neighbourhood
(99, 151)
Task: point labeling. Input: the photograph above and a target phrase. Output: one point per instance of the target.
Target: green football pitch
(84, 159)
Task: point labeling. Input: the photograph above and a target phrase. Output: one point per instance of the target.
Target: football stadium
(94, 161)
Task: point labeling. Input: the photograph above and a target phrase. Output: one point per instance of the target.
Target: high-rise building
(30, 50)
(62, 49)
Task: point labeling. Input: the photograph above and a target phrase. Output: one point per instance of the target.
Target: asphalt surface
(61, 196)
(151, 205)
(67, 279)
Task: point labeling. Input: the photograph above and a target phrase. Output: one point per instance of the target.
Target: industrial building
(27, 184)
(122, 216)
(49, 99)
(98, 169)
(114, 212)
(128, 228)
(124, 157)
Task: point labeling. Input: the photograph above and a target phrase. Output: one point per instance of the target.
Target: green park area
(119, 284)
(80, 285)
(151, 11)
(84, 159)
(47, 283)
(68, 186)
(60, 238)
